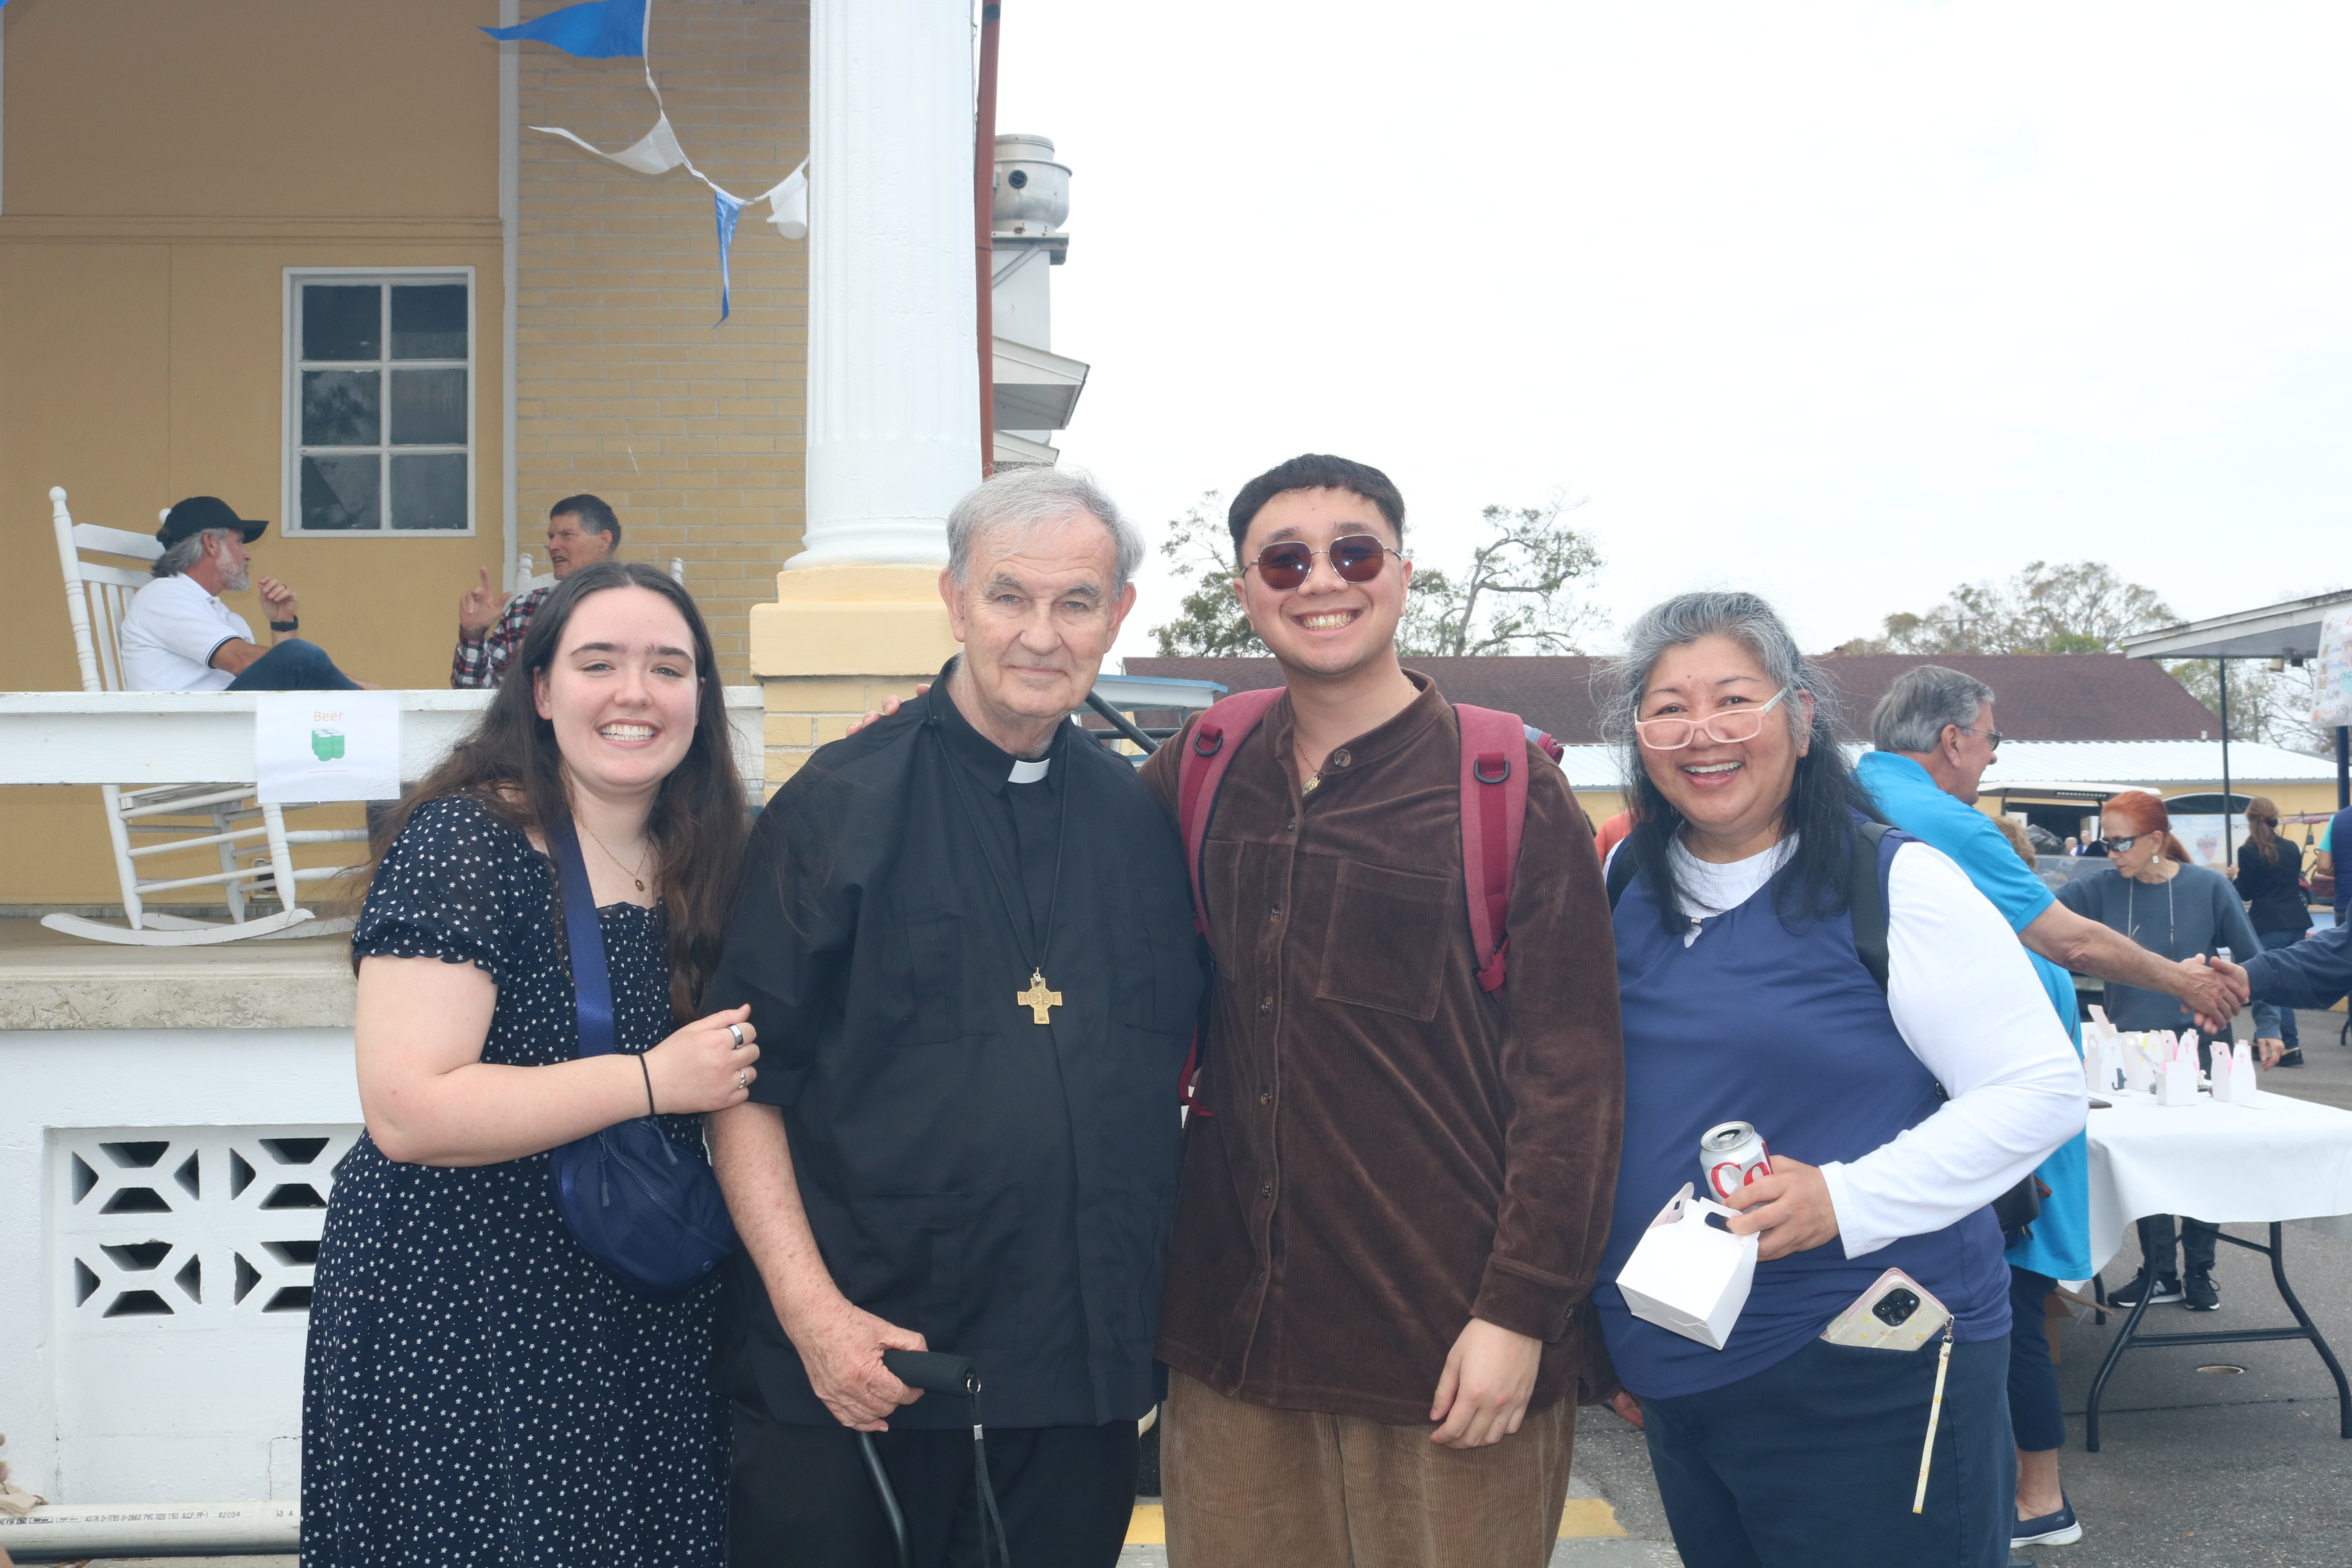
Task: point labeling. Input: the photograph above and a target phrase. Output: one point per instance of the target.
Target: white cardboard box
(1685, 1274)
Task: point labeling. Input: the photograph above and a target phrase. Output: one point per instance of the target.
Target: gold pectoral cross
(1037, 999)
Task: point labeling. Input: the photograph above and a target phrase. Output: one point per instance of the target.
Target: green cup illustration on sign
(327, 744)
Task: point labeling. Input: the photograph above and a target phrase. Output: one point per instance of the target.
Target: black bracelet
(294, 624)
(649, 1084)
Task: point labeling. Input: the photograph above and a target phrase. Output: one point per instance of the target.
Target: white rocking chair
(222, 816)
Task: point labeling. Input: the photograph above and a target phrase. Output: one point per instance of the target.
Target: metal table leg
(2129, 1338)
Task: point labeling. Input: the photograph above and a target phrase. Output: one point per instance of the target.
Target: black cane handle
(935, 1371)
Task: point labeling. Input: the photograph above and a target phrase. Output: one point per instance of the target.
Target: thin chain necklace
(1039, 999)
(2131, 910)
(638, 876)
(1311, 778)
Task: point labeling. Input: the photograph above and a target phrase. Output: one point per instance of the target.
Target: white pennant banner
(657, 152)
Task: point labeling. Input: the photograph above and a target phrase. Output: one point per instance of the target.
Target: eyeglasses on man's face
(1356, 558)
(1727, 728)
(1992, 737)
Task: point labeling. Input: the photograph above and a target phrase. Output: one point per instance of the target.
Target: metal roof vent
(1033, 190)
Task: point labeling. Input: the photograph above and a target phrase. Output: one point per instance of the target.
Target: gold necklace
(638, 876)
(1316, 777)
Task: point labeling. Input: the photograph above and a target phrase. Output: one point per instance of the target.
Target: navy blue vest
(1756, 1021)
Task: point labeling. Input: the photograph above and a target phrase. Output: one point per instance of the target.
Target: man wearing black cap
(178, 636)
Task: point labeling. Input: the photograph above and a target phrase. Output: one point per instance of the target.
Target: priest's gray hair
(1912, 715)
(1029, 498)
(188, 550)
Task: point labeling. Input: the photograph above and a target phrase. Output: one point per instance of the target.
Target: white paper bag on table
(2176, 1083)
(2233, 1074)
(2140, 1057)
(1685, 1274)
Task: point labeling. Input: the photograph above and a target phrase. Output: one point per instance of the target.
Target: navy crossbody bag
(649, 1211)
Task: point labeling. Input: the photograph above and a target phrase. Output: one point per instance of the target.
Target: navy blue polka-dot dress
(479, 1390)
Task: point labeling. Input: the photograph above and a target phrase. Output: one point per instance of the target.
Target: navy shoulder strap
(590, 978)
(1621, 872)
(1866, 896)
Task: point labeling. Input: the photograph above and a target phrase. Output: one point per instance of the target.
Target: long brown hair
(511, 766)
(2261, 828)
(2143, 811)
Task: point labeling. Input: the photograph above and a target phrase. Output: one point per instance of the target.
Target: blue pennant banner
(730, 209)
(595, 30)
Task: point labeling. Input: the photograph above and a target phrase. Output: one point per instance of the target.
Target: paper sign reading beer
(1686, 1276)
(325, 745)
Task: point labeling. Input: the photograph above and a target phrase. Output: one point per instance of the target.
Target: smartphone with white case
(1896, 1313)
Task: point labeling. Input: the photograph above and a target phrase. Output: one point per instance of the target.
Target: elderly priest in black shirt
(966, 937)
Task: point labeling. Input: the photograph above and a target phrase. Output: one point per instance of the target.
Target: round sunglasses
(1356, 558)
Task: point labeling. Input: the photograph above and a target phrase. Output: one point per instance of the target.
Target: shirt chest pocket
(1388, 937)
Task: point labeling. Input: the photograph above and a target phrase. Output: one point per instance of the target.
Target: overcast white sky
(1842, 303)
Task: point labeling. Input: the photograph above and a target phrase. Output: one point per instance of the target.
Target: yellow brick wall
(629, 388)
(812, 710)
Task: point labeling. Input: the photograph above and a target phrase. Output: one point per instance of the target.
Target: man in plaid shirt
(580, 530)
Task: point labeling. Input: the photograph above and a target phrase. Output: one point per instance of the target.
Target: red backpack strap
(1493, 817)
(1209, 750)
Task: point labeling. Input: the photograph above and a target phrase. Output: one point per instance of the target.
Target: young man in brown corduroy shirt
(1398, 1187)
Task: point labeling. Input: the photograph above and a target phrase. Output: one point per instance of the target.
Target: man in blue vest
(1935, 734)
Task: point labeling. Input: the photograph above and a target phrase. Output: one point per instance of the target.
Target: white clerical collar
(1028, 773)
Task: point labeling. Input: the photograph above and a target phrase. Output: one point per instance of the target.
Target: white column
(893, 405)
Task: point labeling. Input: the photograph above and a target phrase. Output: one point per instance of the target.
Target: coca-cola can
(1732, 1155)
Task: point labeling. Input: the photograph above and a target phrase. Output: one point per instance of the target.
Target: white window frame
(291, 387)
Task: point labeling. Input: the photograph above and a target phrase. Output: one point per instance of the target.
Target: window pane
(428, 321)
(342, 321)
(338, 408)
(429, 492)
(428, 408)
(341, 492)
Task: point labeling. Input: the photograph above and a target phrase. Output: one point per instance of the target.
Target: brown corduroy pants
(1245, 1485)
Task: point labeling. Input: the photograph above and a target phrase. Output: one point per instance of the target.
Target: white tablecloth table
(2276, 1159)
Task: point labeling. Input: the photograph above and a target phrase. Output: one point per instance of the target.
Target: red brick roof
(2037, 696)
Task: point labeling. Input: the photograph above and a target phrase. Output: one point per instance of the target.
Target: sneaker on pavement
(2060, 1529)
(2202, 1296)
(2167, 1289)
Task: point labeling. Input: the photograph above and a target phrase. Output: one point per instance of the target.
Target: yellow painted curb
(1586, 1517)
(1583, 1519)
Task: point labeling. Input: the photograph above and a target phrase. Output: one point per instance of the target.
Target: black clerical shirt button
(1266, 1190)
(1342, 757)
(1265, 1004)
(1275, 913)
(1290, 827)
(1264, 1096)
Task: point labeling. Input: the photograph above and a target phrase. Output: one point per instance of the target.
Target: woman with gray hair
(1786, 959)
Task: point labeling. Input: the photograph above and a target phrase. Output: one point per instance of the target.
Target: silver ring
(737, 1030)
(742, 1078)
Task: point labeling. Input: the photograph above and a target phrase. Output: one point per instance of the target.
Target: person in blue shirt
(1935, 736)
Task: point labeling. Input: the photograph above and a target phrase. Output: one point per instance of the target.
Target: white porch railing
(141, 738)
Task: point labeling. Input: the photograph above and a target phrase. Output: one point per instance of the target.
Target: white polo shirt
(170, 634)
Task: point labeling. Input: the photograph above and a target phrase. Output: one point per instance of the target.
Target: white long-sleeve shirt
(1967, 1003)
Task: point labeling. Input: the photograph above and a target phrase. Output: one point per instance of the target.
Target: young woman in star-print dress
(479, 1390)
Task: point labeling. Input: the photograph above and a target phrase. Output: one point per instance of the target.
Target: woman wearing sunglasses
(2151, 894)
(1894, 1109)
